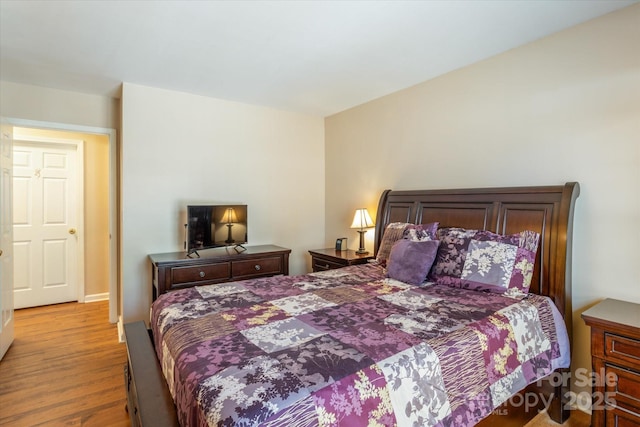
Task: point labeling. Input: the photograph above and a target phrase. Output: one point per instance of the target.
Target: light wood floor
(64, 368)
(577, 419)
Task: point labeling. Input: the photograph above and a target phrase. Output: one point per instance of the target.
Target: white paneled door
(45, 223)
(6, 242)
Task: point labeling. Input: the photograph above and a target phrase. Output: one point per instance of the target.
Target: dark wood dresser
(615, 356)
(175, 270)
(328, 259)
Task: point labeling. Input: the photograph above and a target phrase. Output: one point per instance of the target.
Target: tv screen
(211, 226)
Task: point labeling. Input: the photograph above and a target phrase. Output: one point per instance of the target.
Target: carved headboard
(547, 210)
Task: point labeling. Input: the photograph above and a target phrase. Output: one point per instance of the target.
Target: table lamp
(362, 220)
(229, 217)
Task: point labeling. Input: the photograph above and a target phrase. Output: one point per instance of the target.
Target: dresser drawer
(178, 270)
(622, 348)
(200, 273)
(256, 267)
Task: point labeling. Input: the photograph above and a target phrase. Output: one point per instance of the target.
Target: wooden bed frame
(545, 209)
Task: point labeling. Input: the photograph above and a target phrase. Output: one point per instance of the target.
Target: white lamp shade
(230, 216)
(362, 219)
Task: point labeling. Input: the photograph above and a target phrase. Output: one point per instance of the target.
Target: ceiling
(313, 57)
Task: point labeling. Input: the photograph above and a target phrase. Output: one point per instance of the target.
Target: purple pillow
(410, 261)
(395, 231)
(392, 233)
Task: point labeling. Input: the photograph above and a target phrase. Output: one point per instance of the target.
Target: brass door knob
(72, 231)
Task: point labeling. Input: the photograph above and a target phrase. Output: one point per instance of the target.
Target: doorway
(100, 200)
(47, 220)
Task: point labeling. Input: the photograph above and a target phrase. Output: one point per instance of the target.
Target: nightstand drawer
(200, 273)
(626, 390)
(256, 267)
(622, 348)
(323, 264)
(616, 417)
(329, 258)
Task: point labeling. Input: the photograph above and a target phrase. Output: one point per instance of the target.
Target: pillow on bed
(486, 261)
(420, 232)
(452, 253)
(410, 261)
(501, 264)
(395, 231)
(392, 233)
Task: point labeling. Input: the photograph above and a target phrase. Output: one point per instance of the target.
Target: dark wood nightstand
(328, 259)
(615, 356)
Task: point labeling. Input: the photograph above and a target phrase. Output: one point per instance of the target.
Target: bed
(345, 345)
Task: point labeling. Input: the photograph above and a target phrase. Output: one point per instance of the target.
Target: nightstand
(615, 357)
(328, 259)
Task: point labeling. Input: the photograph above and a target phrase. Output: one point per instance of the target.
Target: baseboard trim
(96, 297)
(120, 329)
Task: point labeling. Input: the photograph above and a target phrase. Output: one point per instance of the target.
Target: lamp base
(361, 250)
(229, 239)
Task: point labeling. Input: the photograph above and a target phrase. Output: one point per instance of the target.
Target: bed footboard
(149, 401)
(544, 395)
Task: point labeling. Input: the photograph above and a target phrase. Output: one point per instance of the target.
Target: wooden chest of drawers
(615, 356)
(172, 271)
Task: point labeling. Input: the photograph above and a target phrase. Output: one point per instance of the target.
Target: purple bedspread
(349, 347)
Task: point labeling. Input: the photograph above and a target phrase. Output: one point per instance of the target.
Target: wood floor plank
(65, 368)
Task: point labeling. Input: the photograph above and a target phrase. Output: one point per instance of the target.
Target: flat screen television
(211, 226)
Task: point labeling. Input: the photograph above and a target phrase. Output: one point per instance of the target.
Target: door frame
(79, 225)
(114, 233)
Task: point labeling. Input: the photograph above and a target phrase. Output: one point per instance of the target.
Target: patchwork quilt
(350, 347)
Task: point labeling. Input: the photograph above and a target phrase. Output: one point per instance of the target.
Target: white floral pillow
(490, 263)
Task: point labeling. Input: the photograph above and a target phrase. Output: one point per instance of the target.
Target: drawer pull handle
(257, 267)
(202, 274)
(326, 266)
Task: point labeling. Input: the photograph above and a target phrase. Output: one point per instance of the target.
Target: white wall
(179, 148)
(58, 106)
(564, 108)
